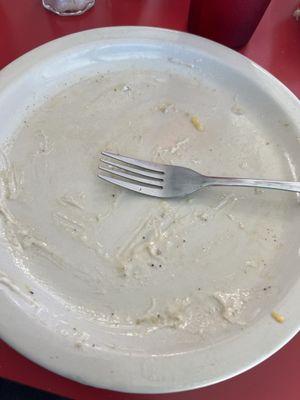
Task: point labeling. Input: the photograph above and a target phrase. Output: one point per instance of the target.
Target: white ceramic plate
(126, 292)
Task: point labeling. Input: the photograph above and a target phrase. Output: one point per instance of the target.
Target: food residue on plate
(106, 252)
(197, 123)
(278, 317)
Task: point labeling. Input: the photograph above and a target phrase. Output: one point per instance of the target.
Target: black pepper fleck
(267, 288)
(31, 292)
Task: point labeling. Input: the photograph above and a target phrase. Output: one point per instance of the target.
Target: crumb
(122, 88)
(251, 264)
(203, 217)
(278, 317)
(258, 190)
(197, 123)
(237, 110)
(266, 288)
(165, 107)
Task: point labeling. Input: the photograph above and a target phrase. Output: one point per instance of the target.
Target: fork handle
(260, 183)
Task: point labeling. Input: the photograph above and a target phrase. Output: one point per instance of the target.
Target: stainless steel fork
(161, 180)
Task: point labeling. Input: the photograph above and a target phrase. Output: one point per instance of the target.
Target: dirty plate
(131, 293)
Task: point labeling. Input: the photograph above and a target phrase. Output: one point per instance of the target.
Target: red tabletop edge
(25, 25)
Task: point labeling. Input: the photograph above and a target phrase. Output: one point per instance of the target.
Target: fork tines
(140, 176)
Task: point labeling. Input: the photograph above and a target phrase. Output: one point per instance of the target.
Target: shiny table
(24, 24)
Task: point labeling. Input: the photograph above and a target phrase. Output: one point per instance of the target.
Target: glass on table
(68, 7)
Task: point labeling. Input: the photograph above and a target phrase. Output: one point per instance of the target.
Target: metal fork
(161, 180)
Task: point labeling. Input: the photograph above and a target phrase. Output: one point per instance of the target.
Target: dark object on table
(230, 22)
(14, 391)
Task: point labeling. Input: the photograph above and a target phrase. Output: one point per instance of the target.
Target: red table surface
(275, 45)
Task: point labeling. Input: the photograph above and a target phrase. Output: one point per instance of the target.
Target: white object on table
(68, 7)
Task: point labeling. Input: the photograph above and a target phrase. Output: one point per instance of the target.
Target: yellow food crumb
(278, 317)
(197, 123)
